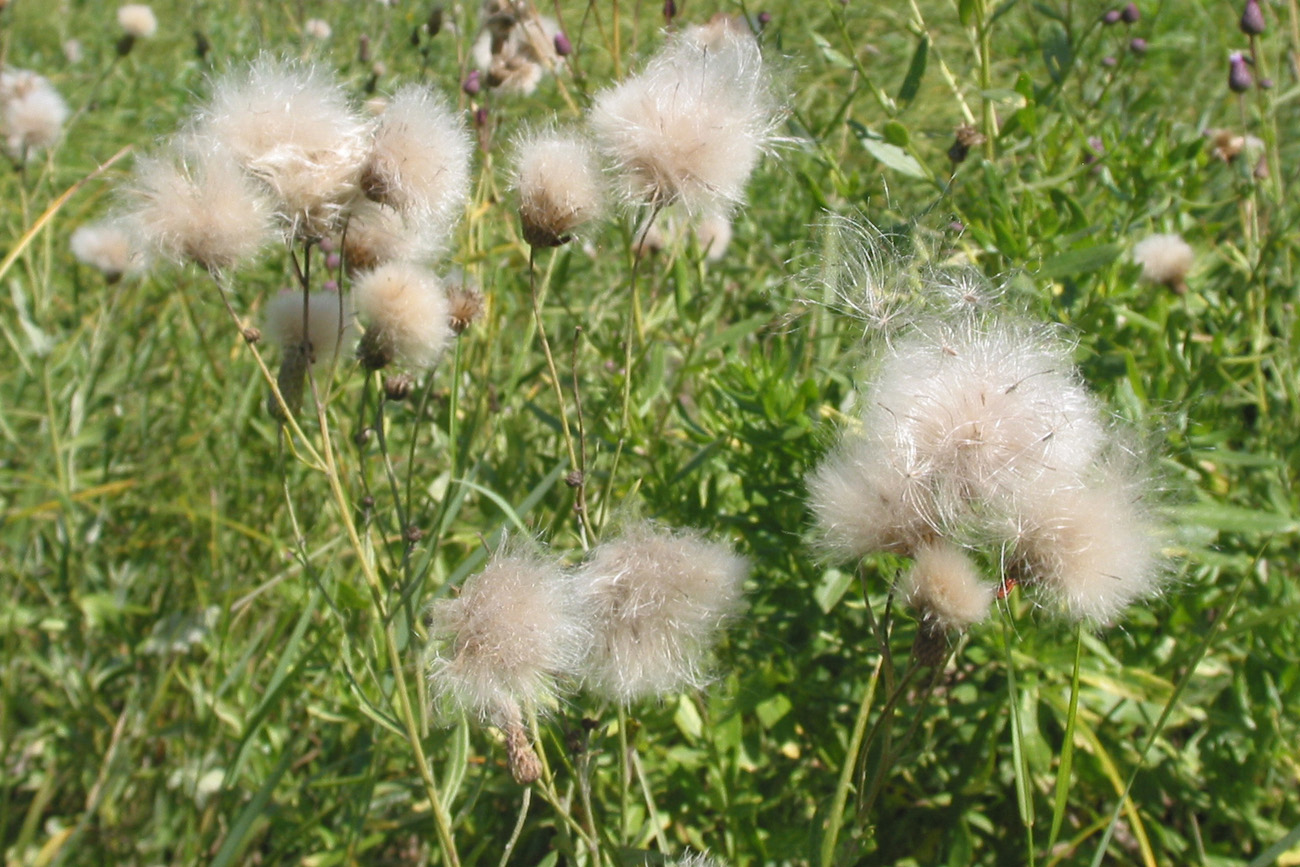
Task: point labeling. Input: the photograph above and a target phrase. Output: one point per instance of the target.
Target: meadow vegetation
(582, 567)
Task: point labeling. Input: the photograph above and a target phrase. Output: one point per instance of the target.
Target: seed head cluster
(976, 433)
(638, 618)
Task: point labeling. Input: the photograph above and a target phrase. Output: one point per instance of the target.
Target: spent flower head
(559, 185)
(404, 308)
(690, 128)
(655, 601)
(291, 127)
(504, 641)
(193, 202)
(31, 112)
(137, 20)
(419, 161)
(1165, 259)
(107, 246)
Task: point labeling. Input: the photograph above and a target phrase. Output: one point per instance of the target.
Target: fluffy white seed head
(1093, 551)
(690, 128)
(106, 246)
(404, 308)
(325, 324)
(868, 497)
(655, 601)
(196, 204)
(137, 20)
(419, 161)
(1165, 259)
(317, 28)
(376, 235)
(559, 185)
(503, 642)
(31, 112)
(986, 412)
(516, 46)
(960, 420)
(292, 128)
(945, 586)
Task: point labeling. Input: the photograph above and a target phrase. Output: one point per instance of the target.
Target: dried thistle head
(404, 310)
(560, 186)
(655, 601)
(291, 127)
(504, 642)
(691, 127)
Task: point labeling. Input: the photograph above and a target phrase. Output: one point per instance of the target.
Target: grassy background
(191, 673)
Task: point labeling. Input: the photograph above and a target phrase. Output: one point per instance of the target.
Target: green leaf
(915, 71)
(966, 11)
(892, 156)
(1082, 261)
(831, 588)
(1057, 54)
(1235, 519)
(830, 54)
(771, 711)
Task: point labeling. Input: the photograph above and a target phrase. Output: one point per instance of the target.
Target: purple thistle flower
(1111, 17)
(472, 84)
(563, 46)
(1130, 14)
(1138, 46)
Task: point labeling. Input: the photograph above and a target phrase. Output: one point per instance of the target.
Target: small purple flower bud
(481, 116)
(764, 19)
(1109, 61)
(563, 46)
(1266, 84)
(1111, 17)
(1239, 77)
(472, 83)
(1138, 45)
(332, 261)
(330, 286)
(1130, 14)
(670, 11)
(327, 245)
(1252, 19)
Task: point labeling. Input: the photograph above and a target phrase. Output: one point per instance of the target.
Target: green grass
(195, 667)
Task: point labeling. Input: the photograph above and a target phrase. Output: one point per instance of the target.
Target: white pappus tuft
(655, 601)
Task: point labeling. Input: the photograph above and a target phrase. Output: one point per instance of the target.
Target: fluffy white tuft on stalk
(1094, 550)
(945, 586)
(376, 235)
(690, 128)
(419, 160)
(404, 308)
(31, 112)
(291, 126)
(324, 324)
(503, 642)
(317, 28)
(196, 204)
(106, 246)
(559, 183)
(866, 496)
(137, 20)
(1165, 259)
(655, 601)
(989, 411)
(516, 47)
